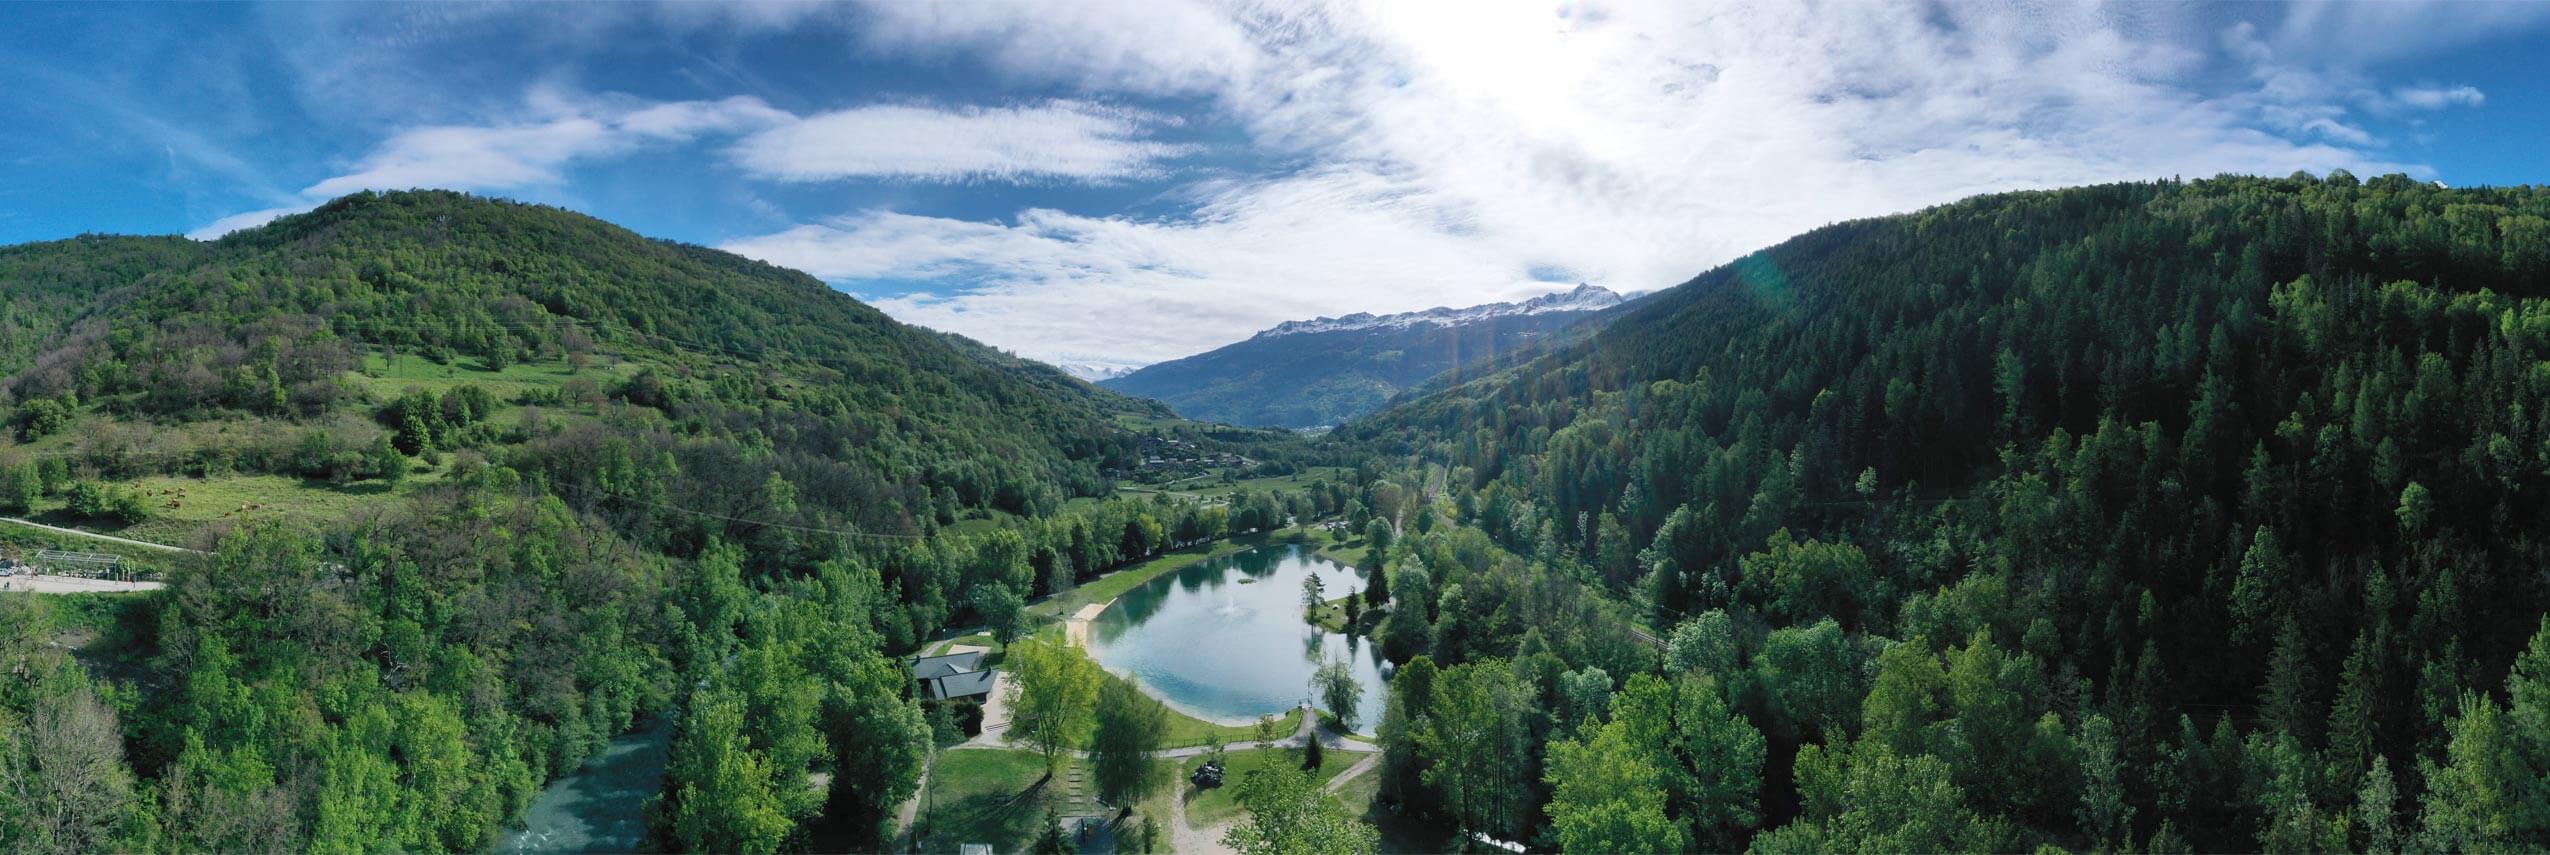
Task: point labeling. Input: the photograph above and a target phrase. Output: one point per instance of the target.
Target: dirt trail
(1360, 767)
(1188, 840)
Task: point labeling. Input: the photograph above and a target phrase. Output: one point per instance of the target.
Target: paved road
(105, 537)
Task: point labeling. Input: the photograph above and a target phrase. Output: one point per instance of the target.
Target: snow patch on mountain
(1096, 371)
(1585, 298)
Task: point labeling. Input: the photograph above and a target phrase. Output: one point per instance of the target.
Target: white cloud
(1441, 152)
(2438, 97)
(1461, 145)
(682, 120)
(476, 157)
(249, 220)
(1116, 289)
(1069, 140)
(569, 127)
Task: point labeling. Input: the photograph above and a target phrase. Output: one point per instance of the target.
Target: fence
(87, 565)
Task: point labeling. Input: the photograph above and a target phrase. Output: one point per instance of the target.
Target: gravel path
(1188, 840)
(72, 585)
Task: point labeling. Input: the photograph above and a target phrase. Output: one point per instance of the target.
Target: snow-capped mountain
(1319, 372)
(1585, 298)
(1096, 371)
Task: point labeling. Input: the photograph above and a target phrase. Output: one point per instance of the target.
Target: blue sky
(1118, 182)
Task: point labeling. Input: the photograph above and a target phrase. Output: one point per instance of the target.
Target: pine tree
(2283, 700)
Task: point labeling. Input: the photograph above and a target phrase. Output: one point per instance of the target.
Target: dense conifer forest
(2156, 516)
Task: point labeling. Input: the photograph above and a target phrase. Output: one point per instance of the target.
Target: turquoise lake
(1226, 639)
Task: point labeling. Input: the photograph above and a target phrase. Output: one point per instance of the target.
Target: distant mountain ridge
(1323, 371)
(1585, 298)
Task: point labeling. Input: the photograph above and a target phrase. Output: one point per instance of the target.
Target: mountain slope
(2063, 507)
(485, 489)
(608, 361)
(1320, 372)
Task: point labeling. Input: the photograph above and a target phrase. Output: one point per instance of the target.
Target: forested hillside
(2173, 515)
(549, 481)
(870, 419)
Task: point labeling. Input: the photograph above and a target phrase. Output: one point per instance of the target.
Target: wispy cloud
(2346, 33)
(2438, 97)
(1064, 139)
(1059, 140)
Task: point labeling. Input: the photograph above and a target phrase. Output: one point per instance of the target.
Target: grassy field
(387, 378)
(182, 507)
(1210, 807)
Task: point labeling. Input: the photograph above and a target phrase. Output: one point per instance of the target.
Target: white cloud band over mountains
(1463, 147)
(1450, 152)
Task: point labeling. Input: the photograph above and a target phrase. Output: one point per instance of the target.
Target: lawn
(1331, 615)
(999, 796)
(1328, 724)
(993, 796)
(1352, 551)
(1206, 808)
(1186, 731)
